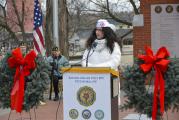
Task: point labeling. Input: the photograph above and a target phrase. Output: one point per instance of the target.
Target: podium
(90, 93)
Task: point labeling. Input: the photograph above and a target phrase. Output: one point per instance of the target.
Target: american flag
(39, 43)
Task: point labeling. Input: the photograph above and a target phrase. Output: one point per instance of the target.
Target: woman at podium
(102, 48)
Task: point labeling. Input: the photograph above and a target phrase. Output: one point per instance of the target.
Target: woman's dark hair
(109, 35)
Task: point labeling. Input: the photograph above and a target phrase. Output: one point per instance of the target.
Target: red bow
(23, 67)
(160, 64)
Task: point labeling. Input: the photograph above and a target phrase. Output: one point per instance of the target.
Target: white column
(55, 23)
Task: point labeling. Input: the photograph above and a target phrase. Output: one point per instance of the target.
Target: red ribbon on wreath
(23, 66)
(160, 64)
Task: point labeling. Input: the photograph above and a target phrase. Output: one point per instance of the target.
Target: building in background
(12, 21)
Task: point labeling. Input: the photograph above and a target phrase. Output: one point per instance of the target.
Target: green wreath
(39, 80)
(140, 96)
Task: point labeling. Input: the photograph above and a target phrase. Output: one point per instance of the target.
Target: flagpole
(55, 23)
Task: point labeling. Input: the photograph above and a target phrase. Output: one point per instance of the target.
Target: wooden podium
(88, 93)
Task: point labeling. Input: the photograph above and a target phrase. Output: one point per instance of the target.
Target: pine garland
(140, 96)
(36, 85)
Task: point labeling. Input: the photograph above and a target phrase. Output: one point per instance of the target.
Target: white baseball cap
(104, 23)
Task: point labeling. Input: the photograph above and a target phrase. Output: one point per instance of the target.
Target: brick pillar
(142, 35)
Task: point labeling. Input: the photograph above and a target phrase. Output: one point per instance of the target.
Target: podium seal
(73, 113)
(86, 96)
(86, 114)
(99, 114)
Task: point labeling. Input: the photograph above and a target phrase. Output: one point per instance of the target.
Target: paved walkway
(48, 112)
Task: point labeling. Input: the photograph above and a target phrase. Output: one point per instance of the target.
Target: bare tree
(48, 27)
(104, 8)
(20, 17)
(5, 27)
(111, 9)
(63, 33)
(13, 20)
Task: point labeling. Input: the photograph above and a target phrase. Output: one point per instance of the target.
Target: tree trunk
(63, 38)
(48, 27)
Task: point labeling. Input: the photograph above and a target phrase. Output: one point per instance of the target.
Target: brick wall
(142, 35)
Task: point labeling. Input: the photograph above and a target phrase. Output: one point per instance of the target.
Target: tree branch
(21, 24)
(134, 6)
(114, 17)
(9, 30)
(23, 11)
(16, 11)
(127, 33)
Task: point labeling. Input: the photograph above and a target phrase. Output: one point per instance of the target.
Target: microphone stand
(94, 44)
(88, 57)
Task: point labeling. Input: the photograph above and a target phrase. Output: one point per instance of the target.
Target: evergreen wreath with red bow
(23, 80)
(151, 85)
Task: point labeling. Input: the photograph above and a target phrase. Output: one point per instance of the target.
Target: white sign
(3, 2)
(87, 96)
(165, 27)
(138, 20)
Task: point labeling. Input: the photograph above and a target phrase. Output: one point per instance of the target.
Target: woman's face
(99, 33)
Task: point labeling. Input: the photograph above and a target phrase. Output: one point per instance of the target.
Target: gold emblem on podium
(86, 96)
